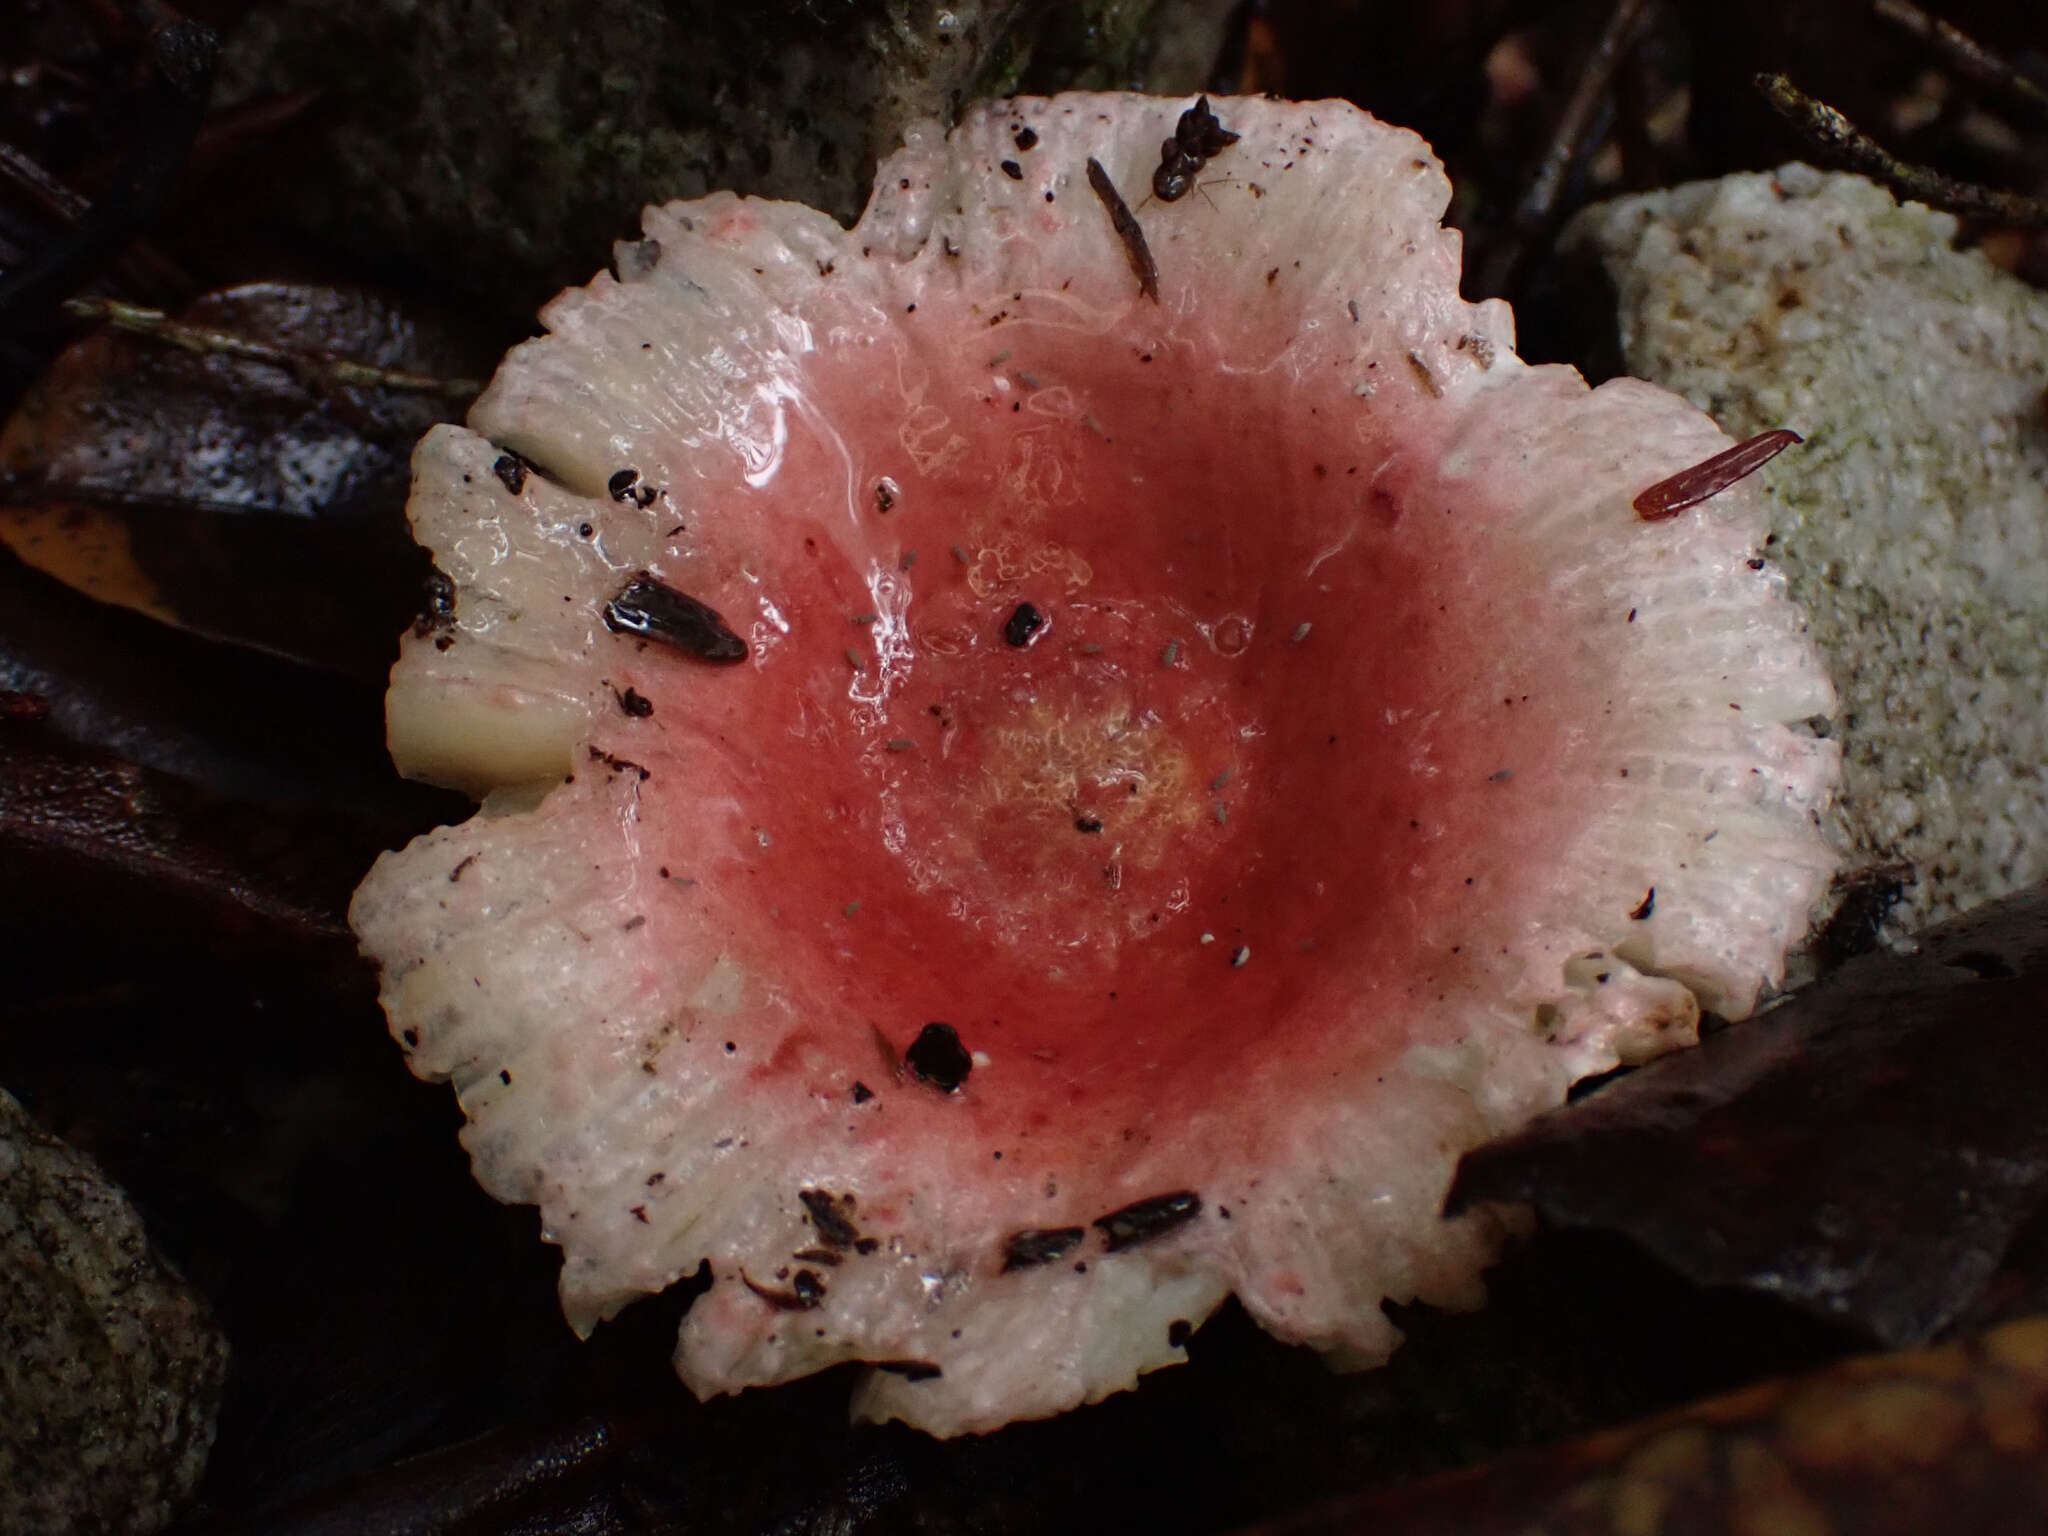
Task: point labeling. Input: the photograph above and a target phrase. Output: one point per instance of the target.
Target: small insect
(1125, 223)
(1710, 477)
(1197, 139)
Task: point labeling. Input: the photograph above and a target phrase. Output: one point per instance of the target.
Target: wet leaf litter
(1198, 138)
(893, 1479)
(100, 483)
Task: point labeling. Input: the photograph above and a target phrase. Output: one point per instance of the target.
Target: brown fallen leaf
(1944, 1439)
(239, 724)
(84, 832)
(1868, 1151)
(237, 470)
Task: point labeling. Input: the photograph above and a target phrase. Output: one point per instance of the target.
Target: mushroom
(1055, 756)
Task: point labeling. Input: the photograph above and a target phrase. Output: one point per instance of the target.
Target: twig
(1128, 230)
(205, 340)
(181, 56)
(46, 189)
(1969, 57)
(141, 265)
(1639, 151)
(1537, 210)
(227, 129)
(1843, 142)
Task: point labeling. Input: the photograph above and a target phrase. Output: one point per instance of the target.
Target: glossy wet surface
(1139, 718)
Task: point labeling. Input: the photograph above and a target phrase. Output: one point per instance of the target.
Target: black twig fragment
(1843, 143)
(1040, 1245)
(1136, 251)
(658, 611)
(830, 1221)
(1143, 1220)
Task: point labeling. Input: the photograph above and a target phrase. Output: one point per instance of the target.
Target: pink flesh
(1354, 857)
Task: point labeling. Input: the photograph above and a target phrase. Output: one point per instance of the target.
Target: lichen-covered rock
(110, 1366)
(1913, 526)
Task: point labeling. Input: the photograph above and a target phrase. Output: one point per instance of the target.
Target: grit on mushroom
(987, 998)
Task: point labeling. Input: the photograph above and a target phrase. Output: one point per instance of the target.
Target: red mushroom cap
(1184, 768)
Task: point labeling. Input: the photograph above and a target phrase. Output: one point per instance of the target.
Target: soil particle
(937, 1057)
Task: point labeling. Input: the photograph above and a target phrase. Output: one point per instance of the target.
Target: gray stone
(110, 1366)
(505, 144)
(1913, 524)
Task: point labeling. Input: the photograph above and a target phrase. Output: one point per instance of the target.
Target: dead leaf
(1945, 1439)
(234, 496)
(1868, 1151)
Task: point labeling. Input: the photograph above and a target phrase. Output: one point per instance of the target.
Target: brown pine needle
(207, 340)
